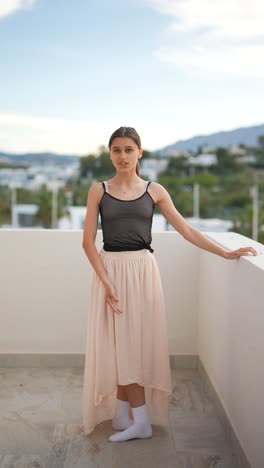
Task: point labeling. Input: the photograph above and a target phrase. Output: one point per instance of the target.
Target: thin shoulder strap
(105, 186)
(147, 184)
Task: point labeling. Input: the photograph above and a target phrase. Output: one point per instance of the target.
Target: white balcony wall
(230, 338)
(215, 309)
(45, 280)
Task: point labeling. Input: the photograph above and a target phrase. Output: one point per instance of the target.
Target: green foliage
(261, 140)
(226, 162)
(177, 165)
(243, 222)
(5, 205)
(205, 179)
(146, 154)
(44, 201)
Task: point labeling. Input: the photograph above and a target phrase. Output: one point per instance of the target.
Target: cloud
(9, 7)
(239, 19)
(220, 36)
(27, 133)
(232, 61)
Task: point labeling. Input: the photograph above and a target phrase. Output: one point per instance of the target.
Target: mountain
(244, 135)
(38, 158)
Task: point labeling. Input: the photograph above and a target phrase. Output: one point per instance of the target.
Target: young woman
(127, 369)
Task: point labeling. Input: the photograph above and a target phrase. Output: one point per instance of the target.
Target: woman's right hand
(111, 298)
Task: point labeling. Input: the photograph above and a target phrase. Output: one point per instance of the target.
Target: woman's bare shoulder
(96, 191)
(156, 191)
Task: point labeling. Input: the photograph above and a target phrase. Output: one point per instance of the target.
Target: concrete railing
(230, 319)
(215, 310)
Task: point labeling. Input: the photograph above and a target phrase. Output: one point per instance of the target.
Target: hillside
(37, 158)
(245, 135)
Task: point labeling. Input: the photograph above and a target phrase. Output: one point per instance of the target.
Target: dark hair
(129, 132)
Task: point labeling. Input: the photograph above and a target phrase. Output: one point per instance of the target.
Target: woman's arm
(167, 208)
(90, 230)
(89, 235)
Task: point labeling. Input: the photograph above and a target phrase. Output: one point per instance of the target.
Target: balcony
(215, 316)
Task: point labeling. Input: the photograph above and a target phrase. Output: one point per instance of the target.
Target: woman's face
(124, 154)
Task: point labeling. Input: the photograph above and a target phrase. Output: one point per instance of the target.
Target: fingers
(112, 301)
(251, 249)
(235, 254)
(247, 250)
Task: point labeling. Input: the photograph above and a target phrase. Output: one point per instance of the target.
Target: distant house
(237, 150)
(203, 160)
(249, 158)
(151, 167)
(34, 177)
(75, 218)
(24, 216)
(175, 153)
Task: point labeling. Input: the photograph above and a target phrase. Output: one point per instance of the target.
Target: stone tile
(200, 433)
(188, 392)
(20, 437)
(62, 436)
(191, 460)
(22, 461)
(156, 452)
(71, 448)
(32, 402)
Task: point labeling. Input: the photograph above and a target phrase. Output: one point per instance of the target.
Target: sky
(72, 72)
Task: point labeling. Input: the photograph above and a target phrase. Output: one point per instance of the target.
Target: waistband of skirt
(125, 253)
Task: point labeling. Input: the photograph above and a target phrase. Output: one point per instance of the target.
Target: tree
(98, 165)
(45, 206)
(176, 165)
(87, 164)
(226, 162)
(261, 141)
(5, 205)
(205, 179)
(147, 154)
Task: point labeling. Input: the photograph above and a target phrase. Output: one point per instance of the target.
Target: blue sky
(74, 71)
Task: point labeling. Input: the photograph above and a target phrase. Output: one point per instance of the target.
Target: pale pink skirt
(128, 348)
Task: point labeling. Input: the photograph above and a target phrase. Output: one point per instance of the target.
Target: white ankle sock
(121, 419)
(141, 427)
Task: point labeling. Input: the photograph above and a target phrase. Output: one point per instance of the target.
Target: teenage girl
(127, 368)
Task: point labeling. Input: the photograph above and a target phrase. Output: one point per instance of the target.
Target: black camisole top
(126, 224)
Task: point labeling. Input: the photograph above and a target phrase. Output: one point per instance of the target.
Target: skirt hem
(110, 414)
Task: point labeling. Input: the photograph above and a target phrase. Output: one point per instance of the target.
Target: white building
(249, 158)
(24, 216)
(151, 167)
(204, 160)
(33, 177)
(237, 150)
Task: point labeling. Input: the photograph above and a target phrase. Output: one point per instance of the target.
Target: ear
(140, 153)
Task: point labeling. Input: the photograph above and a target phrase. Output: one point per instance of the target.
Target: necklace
(125, 191)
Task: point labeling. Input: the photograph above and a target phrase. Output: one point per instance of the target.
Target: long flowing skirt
(126, 348)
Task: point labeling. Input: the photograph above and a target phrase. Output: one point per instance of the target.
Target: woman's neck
(126, 179)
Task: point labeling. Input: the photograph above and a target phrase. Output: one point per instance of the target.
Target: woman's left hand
(239, 252)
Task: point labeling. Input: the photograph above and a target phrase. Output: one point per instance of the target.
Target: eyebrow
(125, 147)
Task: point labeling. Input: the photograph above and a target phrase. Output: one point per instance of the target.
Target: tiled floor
(41, 426)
